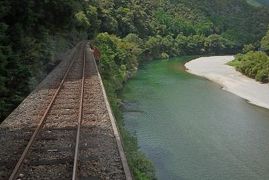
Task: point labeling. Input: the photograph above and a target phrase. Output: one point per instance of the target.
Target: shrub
(253, 64)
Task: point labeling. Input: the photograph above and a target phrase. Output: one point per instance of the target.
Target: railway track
(64, 129)
(53, 150)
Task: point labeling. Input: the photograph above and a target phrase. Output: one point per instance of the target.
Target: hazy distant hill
(264, 1)
(258, 2)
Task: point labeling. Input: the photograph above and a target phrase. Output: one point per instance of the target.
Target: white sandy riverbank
(215, 69)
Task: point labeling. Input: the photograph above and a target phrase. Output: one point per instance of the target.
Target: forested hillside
(35, 33)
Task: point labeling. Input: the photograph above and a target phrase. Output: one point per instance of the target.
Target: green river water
(192, 129)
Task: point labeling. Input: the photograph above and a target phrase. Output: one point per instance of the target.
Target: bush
(253, 64)
(262, 76)
(164, 55)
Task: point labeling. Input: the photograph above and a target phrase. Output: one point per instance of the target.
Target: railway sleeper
(47, 172)
(57, 118)
(42, 162)
(66, 100)
(64, 111)
(65, 106)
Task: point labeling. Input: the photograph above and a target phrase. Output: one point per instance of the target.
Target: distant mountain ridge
(264, 1)
(258, 2)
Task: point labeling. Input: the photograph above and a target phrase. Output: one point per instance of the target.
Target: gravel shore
(215, 68)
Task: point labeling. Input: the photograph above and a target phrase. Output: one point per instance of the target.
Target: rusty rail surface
(76, 157)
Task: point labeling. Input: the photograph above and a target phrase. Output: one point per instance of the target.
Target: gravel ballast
(51, 155)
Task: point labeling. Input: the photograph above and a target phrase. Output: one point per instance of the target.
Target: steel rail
(15, 171)
(76, 156)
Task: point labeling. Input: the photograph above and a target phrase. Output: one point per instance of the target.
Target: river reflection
(191, 129)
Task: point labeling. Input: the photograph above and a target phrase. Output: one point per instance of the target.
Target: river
(192, 129)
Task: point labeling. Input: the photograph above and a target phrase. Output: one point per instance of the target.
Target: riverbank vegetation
(33, 35)
(118, 63)
(254, 64)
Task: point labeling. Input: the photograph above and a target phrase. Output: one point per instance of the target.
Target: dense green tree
(215, 44)
(248, 47)
(265, 43)
(31, 33)
(4, 55)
